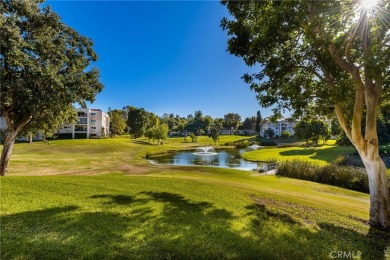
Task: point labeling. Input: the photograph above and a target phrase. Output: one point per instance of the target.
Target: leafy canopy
(307, 51)
(45, 66)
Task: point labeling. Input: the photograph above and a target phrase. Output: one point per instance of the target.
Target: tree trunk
(379, 192)
(6, 153)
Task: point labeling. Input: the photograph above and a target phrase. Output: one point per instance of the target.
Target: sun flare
(369, 4)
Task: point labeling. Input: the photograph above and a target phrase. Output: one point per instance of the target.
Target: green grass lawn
(100, 199)
(319, 155)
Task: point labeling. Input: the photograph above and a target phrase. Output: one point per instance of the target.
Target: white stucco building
(282, 125)
(279, 127)
(91, 123)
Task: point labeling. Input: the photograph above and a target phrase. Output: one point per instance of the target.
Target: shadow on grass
(324, 240)
(115, 199)
(297, 152)
(142, 142)
(326, 154)
(167, 225)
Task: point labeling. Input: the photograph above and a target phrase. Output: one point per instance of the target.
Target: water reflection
(222, 158)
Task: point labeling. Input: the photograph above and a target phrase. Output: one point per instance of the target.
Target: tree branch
(350, 40)
(338, 108)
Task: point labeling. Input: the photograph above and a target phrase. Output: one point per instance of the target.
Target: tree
(45, 68)
(269, 132)
(318, 130)
(137, 121)
(303, 132)
(117, 122)
(259, 121)
(249, 123)
(150, 133)
(335, 128)
(335, 54)
(161, 132)
(193, 138)
(214, 133)
(232, 120)
(219, 122)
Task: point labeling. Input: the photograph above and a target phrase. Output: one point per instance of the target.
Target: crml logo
(345, 254)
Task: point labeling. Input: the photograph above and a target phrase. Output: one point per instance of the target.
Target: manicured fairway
(319, 155)
(99, 199)
(182, 214)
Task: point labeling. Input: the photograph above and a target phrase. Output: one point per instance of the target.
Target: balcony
(82, 121)
(78, 129)
(82, 114)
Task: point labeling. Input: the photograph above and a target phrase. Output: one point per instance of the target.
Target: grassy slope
(167, 212)
(94, 156)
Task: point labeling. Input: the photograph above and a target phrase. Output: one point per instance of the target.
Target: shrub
(269, 132)
(297, 144)
(286, 134)
(268, 143)
(242, 144)
(343, 140)
(147, 155)
(349, 160)
(342, 176)
(80, 135)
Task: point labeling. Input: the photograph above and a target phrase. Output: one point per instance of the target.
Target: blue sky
(168, 57)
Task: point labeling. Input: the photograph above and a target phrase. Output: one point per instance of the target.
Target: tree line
(138, 122)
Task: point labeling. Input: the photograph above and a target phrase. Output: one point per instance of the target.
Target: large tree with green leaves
(137, 121)
(232, 120)
(303, 132)
(334, 54)
(117, 121)
(45, 68)
(249, 123)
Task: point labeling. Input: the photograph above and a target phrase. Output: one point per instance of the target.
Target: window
(93, 121)
(93, 114)
(93, 127)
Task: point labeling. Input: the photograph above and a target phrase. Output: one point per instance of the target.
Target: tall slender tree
(45, 68)
(259, 121)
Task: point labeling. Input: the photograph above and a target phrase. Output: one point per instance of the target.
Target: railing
(83, 121)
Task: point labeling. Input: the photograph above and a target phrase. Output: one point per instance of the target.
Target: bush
(286, 134)
(242, 144)
(65, 136)
(341, 176)
(297, 144)
(349, 160)
(268, 143)
(80, 135)
(343, 140)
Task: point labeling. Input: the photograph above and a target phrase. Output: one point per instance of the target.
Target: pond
(229, 158)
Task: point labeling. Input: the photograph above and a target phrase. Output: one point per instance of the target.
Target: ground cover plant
(342, 176)
(100, 198)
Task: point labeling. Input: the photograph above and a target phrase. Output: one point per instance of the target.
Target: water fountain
(208, 150)
(254, 147)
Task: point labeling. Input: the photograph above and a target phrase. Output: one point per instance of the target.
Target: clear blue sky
(168, 57)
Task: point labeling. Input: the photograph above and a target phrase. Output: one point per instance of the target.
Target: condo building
(90, 123)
